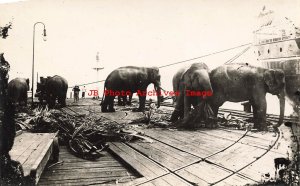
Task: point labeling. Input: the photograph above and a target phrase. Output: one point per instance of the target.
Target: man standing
(76, 93)
(83, 92)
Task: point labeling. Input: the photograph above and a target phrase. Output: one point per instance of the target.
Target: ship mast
(97, 68)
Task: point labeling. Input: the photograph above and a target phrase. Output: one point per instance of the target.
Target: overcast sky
(128, 32)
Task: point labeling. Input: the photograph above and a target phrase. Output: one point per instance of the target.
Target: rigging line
(221, 51)
(89, 83)
(171, 64)
(238, 55)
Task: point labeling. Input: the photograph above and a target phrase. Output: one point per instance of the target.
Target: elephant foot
(120, 104)
(174, 116)
(261, 127)
(104, 109)
(137, 110)
(111, 110)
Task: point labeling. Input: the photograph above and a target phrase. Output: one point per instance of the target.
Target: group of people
(76, 91)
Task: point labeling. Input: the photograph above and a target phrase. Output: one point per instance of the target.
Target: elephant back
(56, 84)
(17, 87)
(18, 84)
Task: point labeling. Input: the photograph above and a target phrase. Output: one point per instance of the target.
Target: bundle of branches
(85, 135)
(37, 120)
(227, 120)
(153, 117)
(201, 114)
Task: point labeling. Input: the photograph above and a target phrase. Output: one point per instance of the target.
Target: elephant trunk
(281, 97)
(158, 91)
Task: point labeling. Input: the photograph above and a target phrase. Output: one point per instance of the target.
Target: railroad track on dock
(199, 158)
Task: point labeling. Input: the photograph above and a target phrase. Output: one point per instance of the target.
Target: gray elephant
(53, 88)
(129, 80)
(193, 85)
(17, 91)
(242, 82)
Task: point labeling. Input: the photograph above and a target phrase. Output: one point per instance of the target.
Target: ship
(277, 46)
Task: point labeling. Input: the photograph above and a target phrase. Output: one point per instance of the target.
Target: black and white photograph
(150, 92)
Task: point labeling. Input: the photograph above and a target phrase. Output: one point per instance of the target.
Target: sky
(127, 32)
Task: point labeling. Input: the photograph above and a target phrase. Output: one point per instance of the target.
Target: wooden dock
(176, 157)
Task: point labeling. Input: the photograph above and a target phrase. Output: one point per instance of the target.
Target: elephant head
(197, 78)
(154, 77)
(275, 83)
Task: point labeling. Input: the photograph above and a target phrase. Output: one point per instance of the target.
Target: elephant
(129, 80)
(54, 88)
(17, 91)
(242, 82)
(194, 78)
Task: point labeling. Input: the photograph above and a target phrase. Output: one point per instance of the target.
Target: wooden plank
(86, 165)
(140, 163)
(192, 177)
(172, 179)
(193, 142)
(83, 175)
(34, 149)
(237, 156)
(259, 139)
(105, 170)
(41, 161)
(203, 173)
(236, 180)
(164, 154)
(22, 143)
(88, 181)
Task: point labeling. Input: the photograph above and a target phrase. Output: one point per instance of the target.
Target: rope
(221, 51)
(238, 55)
(89, 83)
(184, 61)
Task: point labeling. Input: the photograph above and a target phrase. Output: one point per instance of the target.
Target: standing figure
(83, 92)
(76, 93)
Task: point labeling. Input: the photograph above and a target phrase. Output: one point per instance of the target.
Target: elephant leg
(62, 101)
(129, 99)
(142, 102)
(124, 100)
(104, 104)
(120, 100)
(51, 102)
(25, 98)
(187, 105)
(259, 113)
(178, 111)
(111, 104)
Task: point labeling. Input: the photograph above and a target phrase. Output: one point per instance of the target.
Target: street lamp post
(44, 34)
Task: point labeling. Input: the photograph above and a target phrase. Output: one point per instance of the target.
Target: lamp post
(44, 38)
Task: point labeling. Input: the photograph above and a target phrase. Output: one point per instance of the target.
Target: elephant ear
(184, 74)
(279, 76)
(269, 78)
(154, 73)
(141, 77)
(274, 79)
